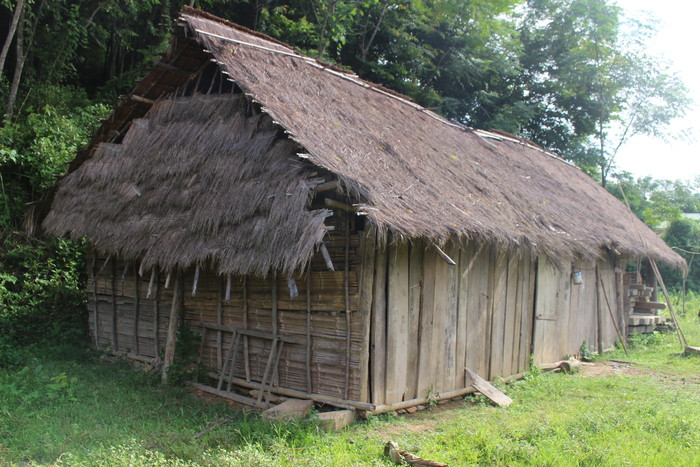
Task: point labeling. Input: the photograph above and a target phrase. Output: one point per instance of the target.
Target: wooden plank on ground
(378, 343)
(484, 387)
(397, 322)
(415, 287)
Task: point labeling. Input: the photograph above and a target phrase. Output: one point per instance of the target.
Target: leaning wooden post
(681, 336)
(175, 311)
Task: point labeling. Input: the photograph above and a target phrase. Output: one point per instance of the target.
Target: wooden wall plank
(466, 255)
(452, 378)
(477, 306)
(511, 316)
(378, 343)
(397, 322)
(426, 379)
(498, 311)
(527, 310)
(415, 283)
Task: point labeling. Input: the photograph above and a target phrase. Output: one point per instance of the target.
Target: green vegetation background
(571, 75)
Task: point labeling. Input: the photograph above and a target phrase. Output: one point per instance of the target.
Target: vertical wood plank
(425, 333)
(511, 315)
(368, 242)
(397, 322)
(477, 305)
(440, 323)
(545, 310)
(309, 384)
(451, 291)
(415, 286)
(526, 310)
(498, 307)
(563, 303)
(466, 253)
(348, 315)
(378, 360)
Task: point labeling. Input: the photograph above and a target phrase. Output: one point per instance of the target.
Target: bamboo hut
(328, 238)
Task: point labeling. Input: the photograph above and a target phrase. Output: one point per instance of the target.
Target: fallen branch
(401, 457)
(207, 430)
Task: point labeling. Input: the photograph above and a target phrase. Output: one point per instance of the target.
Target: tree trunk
(18, 69)
(19, 10)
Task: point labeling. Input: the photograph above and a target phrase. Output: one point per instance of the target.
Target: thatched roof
(411, 172)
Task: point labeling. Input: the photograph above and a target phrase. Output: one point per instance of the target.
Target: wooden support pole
(137, 310)
(95, 314)
(346, 272)
(115, 342)
(175, 312)
(331, 203)
(143, 100)
(367, 246)
(246, 354)
(156, 314)
(327, 186)
(219, 320)
(309, 388)
(275, 319)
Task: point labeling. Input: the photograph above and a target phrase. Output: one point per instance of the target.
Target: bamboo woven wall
(327, 318)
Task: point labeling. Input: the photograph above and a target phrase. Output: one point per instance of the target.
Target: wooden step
(650, 305)
(642, 320)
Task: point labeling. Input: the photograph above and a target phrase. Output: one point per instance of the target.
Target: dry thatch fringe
(416, 176)
(197, 180)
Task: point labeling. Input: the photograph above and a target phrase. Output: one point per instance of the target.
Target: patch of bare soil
(600, 369)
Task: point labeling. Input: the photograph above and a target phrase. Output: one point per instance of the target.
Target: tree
(593, 84)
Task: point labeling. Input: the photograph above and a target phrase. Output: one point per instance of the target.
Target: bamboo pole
(176, 308)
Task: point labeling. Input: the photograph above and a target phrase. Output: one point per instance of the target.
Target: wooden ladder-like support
(229, 362)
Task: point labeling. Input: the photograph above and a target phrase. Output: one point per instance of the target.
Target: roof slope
(413, 173)
(195, 181)
(419, 175)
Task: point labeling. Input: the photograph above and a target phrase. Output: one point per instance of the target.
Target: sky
(677, 41)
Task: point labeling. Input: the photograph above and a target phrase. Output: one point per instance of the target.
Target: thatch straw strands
(197, 180)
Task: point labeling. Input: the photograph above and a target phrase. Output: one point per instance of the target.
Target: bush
(42, 299)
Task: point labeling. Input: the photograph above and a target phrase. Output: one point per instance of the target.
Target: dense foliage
(571, 75)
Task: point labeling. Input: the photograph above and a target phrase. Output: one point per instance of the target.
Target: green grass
(68, 406)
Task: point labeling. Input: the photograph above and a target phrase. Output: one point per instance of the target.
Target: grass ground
(69, 406)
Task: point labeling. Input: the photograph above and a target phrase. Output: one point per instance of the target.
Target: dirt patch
(601, 369)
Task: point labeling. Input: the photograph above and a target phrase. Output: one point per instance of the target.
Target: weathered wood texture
(476, 313)
(328, 324)
(567, 315)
